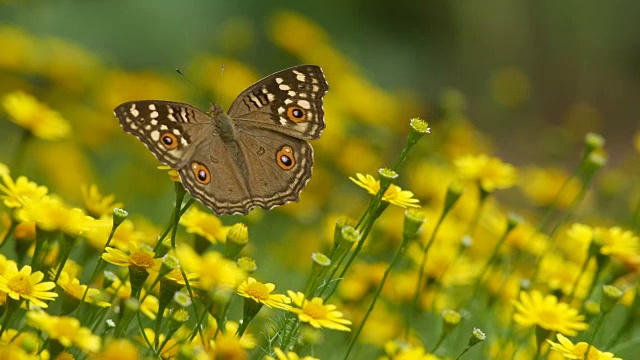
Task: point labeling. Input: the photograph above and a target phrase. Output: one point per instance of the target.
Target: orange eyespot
(285, 158)
(169, 141)
(296, 114)
(201, 173)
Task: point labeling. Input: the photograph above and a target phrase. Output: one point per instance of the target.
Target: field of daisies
(412, 240)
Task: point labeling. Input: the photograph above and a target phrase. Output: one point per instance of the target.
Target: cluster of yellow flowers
(404, 274)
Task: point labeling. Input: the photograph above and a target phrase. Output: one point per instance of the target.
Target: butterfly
(255, 155)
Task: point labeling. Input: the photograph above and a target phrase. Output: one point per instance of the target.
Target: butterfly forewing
(289, 101)
(163, 126)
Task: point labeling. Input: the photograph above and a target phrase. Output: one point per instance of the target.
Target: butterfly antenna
(194, 85)
(221, 84)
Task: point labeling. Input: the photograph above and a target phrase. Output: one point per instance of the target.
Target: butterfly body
(256, 155)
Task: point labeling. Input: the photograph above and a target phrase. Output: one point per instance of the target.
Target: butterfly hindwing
(269, 169)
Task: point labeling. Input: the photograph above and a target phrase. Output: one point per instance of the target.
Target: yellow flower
(120, 349)
(570, 350)
(22, 339)
(491, 173)
(125, 234)
(23, 284)
(394, 194)
(66, 330)
(227, 274)
(149, 305)
(51, 214)
(203, 224)
(401, 350)
(543, 187)
(13, 351)
(21, 191)
(261, 293)
(316, 313)
(140, 256)
(173, 173)
(289, 355)
(176, 276)
(617, 242)
(71, 286)
(96, 204)
(548, 313)
(38, 118)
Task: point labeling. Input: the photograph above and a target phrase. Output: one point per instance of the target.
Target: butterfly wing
(288, 102)
(167, 128)
(262, 168)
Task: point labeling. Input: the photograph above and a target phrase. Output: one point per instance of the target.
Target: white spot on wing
(154, 114)
(284, 87)
(300, 76)
(154, 122)
(271, 97)
(304, 104)
(279, 80)
(134, 111)
(152, 107)
(155, 135)
(291, 93)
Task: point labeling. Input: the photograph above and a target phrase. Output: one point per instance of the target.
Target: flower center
(142, 260)
(20, 284)
(316, 311)
(258, 291)
(548, 318)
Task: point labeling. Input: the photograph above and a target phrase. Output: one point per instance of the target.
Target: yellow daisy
(261, 293)
(16, 193)
(26, 285)
(95, 203)
(66, 330)
(140, 256)
(289, 355)
(547, 313)
(72, 288)
(51, 214)
(316, 313)
(120, 349)
(394, 194)
(204, 224)
(173, 173)
(569, 350)
(227, 274)
(491, 173)
(149, 305)
(38, 118)
(618, 242)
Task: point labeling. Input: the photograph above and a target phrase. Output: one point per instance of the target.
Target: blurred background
(523, 80)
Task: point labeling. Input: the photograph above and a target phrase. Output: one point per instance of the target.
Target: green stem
(565, 217)
(492, 259)
(95, 270)
(423, 262)
(376, 295)
(9, 232)
(18, 157)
